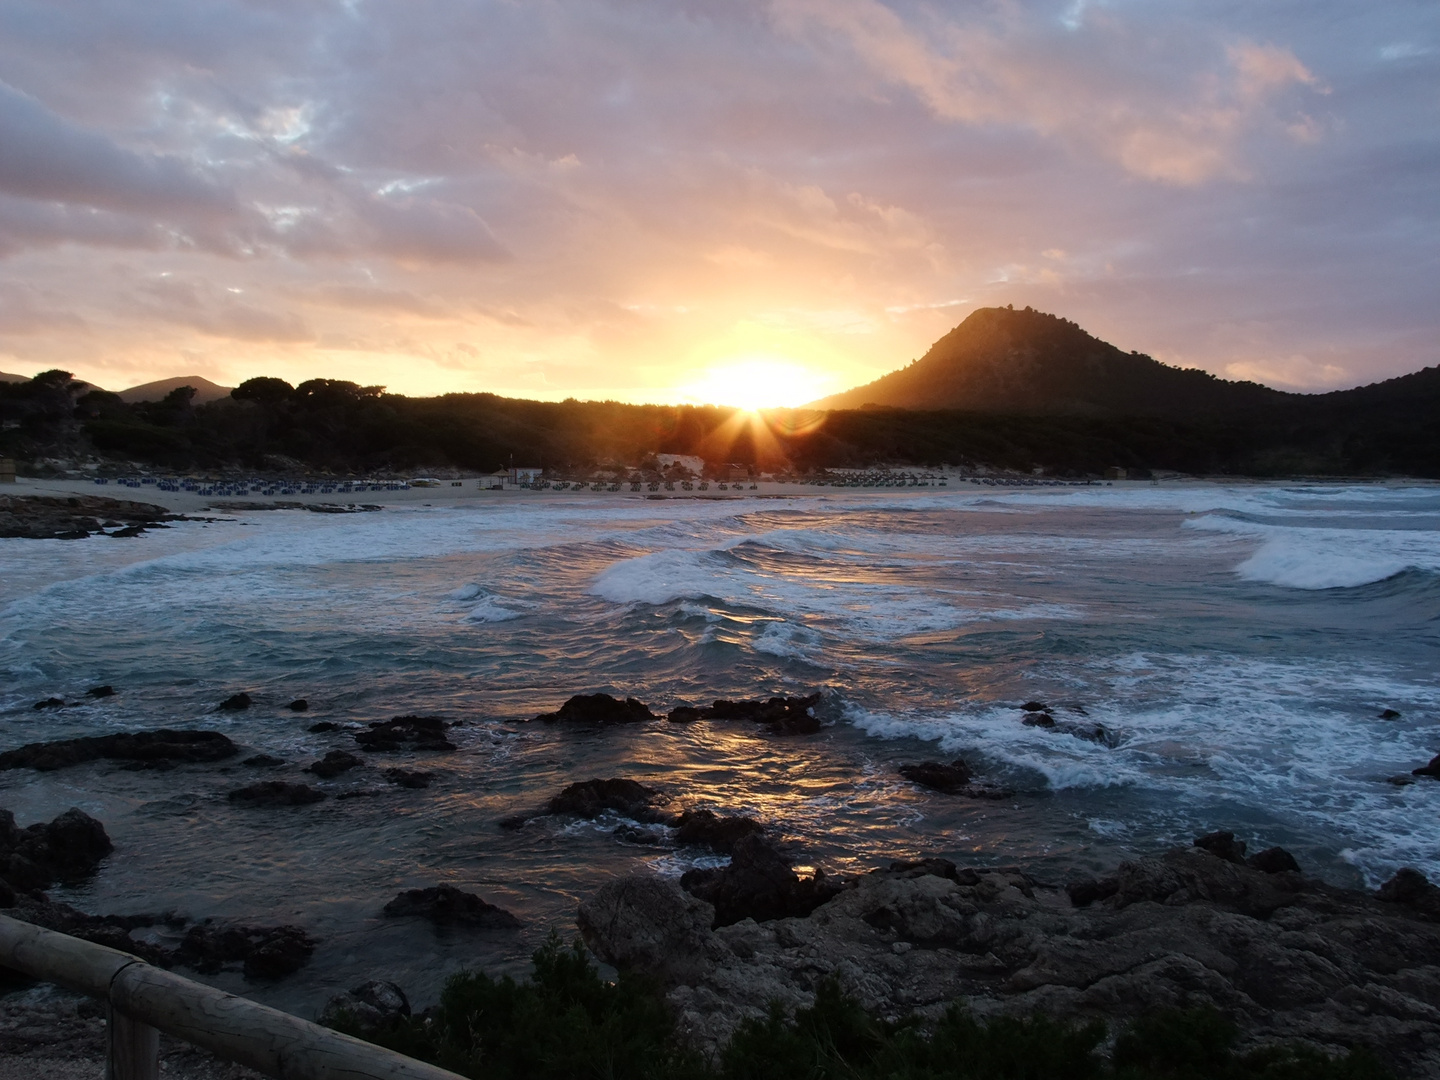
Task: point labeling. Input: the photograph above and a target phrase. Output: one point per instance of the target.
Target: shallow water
(1236, 644)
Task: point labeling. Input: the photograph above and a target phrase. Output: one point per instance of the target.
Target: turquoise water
(1236, 644)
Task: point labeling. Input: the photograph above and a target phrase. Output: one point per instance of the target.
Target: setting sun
(758, 382)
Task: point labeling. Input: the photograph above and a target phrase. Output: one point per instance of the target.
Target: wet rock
(709, 829)
(235, 703)
(1275, 860)
(1390, 714)
(66, 850)
(446, 905)
(420, 733)
(75, 517)
(143, 746)
(934, 867)
(1431, 770)
(100, 691)
(781, 715)
(1039, 719)
(589, 798)
(648, 924)
(300, 705)
(1222, 845)
(1411, 888)
(50, 703)
(633, 834)
(272, 793)
(322, 727)
(599, 709)
(939, 776)
(370, 1007)
(758, 884)
(129, 531)
(262, 761)
(409, 778)
(1035, 706)
(333, 764)
(1085, 892)
(262, 952)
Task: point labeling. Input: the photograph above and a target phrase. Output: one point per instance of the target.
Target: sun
(757, 382)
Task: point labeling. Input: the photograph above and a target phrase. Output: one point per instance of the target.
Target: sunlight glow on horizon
(758, 382)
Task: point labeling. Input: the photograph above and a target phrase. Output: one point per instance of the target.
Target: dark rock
(648, 924)
(1086, 892)
(100, 691)
(1408, 886)
(1222, 845)
(323, 726)
(1390, 714)
(74, 517)
(1275, 860)
(929, 867)
(66, 850)
(1432, 770)
(269, 793)
(599, 709)
(333, 764)
(588, 798)
(300, 705)
(422, 733)
(758, 884)
(164, 744)
(235, 703)
(264, 952)
(50, 703)
(129, 531)
(448, 906)
(1039, 719)
(934, 774)
(409, 778)
(709, 829)
(357, 793)
(783, 716)
(263, 761)
(369, 1007)
(513, 822)
(1035, 706)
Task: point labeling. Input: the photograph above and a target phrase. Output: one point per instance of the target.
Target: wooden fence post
(134, 1052)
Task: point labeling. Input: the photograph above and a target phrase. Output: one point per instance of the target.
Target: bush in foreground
(568, 1022)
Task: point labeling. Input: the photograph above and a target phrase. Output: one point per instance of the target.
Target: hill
(205, 390)
(1027, 363)
(5, 376)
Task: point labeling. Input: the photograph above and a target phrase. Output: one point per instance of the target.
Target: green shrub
(566, 1022)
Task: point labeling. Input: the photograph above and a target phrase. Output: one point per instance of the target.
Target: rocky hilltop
(1286, 957)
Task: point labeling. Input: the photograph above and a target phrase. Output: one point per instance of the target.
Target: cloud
(45, 158)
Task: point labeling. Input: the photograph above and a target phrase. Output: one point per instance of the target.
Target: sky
(739, 201)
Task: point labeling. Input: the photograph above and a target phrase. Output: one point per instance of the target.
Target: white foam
(787, 640)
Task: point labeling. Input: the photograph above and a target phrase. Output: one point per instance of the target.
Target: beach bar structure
(143, 1000)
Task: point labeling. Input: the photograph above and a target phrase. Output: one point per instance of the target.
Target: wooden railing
(143, 1000)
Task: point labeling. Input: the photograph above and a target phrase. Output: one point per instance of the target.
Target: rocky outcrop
(143, 747)
(599, 709)
(273, 793)
(425, 734)
(953, 778)
(367, 1007)
(409, 778)
(758, 884)
(446, 905)
(40, 517)
(780, 715)
(235, 703)
(706, 828)
(65, 850)
(1284, 956)
(333, 764)
(261, 952)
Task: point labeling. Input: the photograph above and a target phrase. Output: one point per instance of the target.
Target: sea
(1215, 657)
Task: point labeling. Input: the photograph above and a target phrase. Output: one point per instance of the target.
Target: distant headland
(1015, 390)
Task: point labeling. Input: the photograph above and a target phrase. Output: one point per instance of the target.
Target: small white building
(692, 463)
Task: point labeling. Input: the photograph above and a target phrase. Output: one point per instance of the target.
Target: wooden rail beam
(145, 1000)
